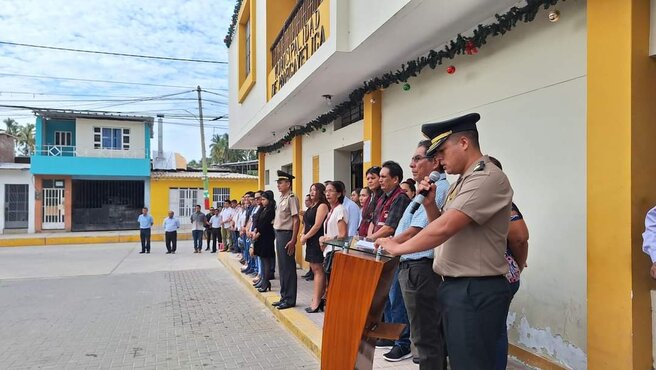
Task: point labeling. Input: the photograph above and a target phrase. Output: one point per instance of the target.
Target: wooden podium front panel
(355, 295)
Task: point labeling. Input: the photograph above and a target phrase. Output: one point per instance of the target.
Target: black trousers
(216, 235)
(208, 236)
(171, 238)
(419, 286)
(144, 235)
(475, 310)
(286, 268)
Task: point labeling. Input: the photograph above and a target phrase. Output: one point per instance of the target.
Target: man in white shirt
(226, 217)
(215, 227)
(171, 226)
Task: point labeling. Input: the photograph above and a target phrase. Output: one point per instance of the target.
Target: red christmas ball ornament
(451, 70)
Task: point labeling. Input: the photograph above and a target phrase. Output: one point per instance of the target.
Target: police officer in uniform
(469, 237)
(286, 226)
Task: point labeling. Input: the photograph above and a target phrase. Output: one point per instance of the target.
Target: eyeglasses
(418, 158)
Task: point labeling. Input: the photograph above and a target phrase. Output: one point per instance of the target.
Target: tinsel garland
(461, 44)
(227, 40)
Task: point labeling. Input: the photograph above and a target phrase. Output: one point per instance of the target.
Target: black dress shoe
(284, 306)
(142, 252)
(277, 303)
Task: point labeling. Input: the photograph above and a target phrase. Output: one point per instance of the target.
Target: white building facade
(531, 87)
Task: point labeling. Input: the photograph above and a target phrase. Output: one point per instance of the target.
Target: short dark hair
(146, 208)
(249, 194)
(426, 144)
(471, 135)
(198, 205)
(375, 170)
(394, 169)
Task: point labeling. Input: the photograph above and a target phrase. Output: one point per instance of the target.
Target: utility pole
(206, 181)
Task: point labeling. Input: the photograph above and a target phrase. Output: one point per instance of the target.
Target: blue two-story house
(91, 169)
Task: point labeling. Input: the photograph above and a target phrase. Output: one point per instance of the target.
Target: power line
(113, 53)
(92, 80)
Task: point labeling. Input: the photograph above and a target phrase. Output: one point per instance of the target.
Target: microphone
(419, 198)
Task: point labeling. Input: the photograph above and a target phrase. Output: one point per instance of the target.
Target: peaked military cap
(284, 176)
(438, 132)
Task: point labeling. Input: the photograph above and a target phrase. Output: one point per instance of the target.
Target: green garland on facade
(468, 45)
(227, 40)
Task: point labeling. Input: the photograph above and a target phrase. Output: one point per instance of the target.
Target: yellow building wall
(620, 144)
(159, 191)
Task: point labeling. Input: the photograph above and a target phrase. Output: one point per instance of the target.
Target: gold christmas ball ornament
(554, 15)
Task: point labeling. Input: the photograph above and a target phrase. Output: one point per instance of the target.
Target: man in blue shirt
(649, 240)
(145, 223)
(171, 226)
(417, 281)
(354, 214)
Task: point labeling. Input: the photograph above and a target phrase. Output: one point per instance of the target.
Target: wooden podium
(359, 285)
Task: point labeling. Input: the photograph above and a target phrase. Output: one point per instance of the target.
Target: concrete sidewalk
(84, 237)
(308, 327)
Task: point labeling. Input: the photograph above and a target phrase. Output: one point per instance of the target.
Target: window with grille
(352, 115)
(220, 194)
(183, 200)
(111, 138)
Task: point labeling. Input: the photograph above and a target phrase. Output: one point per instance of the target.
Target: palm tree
(220, 151)
(26, 139)
(11, 127)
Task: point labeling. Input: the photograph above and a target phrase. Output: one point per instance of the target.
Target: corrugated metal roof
(199, 175)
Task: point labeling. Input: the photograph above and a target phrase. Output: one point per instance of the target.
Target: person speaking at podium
(469, 237)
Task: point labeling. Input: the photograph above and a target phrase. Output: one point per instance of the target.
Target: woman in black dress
(313, 220)
(264, 238)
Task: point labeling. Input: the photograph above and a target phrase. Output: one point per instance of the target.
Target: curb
(67, 240)
(300, 326)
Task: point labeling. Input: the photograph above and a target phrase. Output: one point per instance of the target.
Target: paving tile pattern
(193, 319)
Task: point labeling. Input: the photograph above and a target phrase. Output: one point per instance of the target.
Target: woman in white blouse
(336, 224)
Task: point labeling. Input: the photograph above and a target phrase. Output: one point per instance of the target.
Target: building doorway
(53, 205)
(16, 206)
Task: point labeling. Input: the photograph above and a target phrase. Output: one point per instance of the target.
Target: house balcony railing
(298, 18)
(73, 151)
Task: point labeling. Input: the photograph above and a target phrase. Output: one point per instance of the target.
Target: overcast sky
(191, 29)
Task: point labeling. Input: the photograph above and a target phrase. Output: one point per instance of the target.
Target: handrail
(286, 25)
(73, 151)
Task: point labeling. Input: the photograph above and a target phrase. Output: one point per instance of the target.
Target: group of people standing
(462, 246)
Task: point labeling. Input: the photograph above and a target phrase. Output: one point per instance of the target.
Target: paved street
(109, 307)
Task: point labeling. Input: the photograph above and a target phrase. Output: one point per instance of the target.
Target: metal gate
(53, 209)
(16, 206)
(106, 204)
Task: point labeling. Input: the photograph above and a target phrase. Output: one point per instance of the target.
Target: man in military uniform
(469, 237)
(286, 226)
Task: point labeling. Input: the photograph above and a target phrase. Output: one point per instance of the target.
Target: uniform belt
(283, 231)
(449, 278)
(406, 264)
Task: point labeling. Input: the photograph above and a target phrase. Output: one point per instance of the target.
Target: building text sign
(313, 34)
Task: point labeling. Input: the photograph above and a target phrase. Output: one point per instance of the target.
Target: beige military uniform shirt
(484, 194)
(287, 208)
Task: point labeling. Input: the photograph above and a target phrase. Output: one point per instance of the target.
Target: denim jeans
(502, 345)
(198, 239)
(395, 311)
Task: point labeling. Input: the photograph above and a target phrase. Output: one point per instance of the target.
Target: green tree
(26, 140)
(11, 127)
(24, 135)
(220, 151)
(194, 164)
